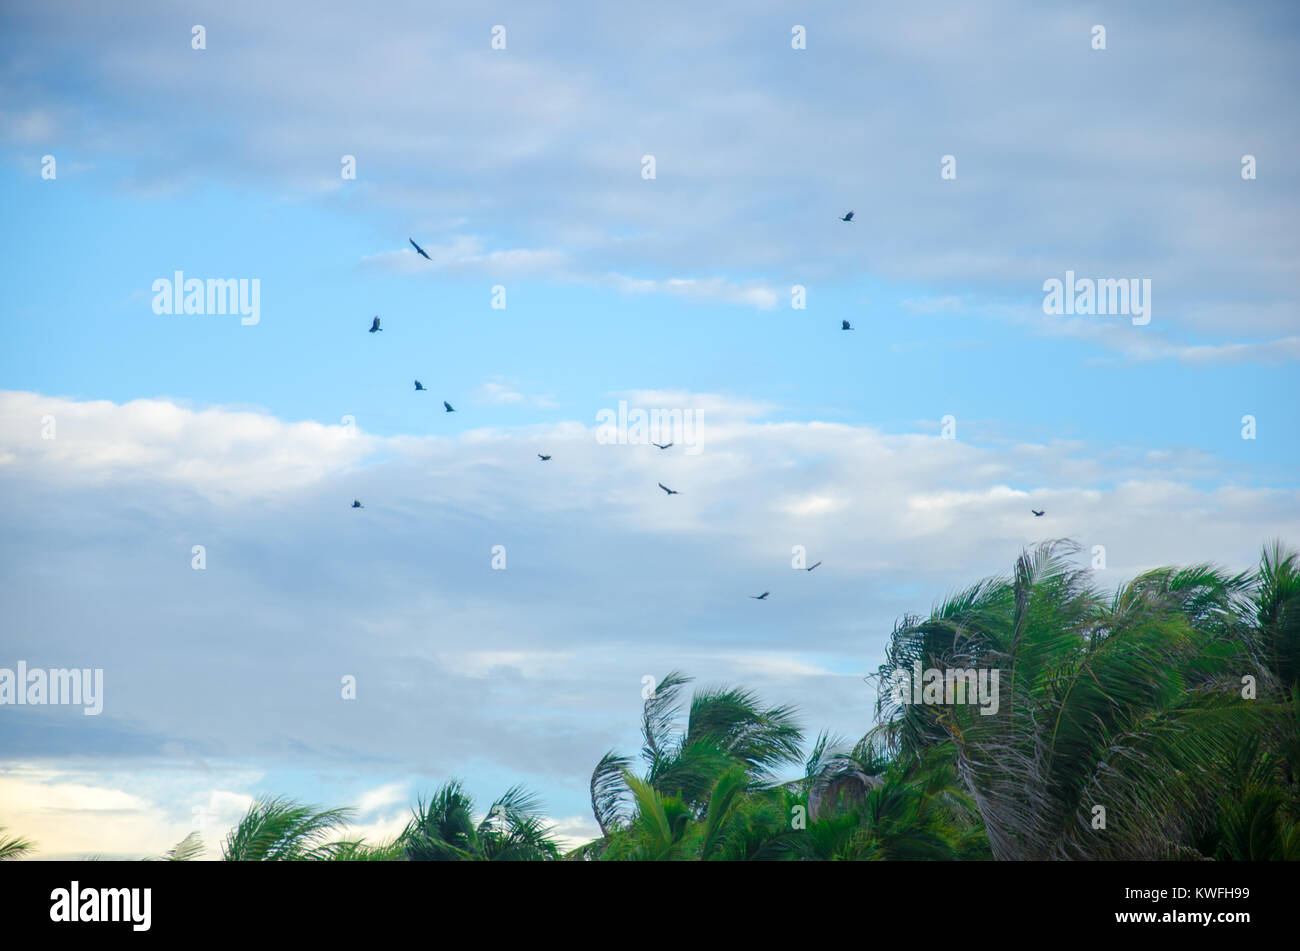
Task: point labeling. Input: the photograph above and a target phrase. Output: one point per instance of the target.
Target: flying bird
(450, 408)
(543, 458)
(848, 217)
(668, 490)
(814, 566)
(357, 505)
(657, 446)
(419, 250)
(375, 326)
(420, 386)
(845, 325)
(1037, 514)
(760, 597)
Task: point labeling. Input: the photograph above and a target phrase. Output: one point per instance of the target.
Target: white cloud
(573, 831)
(527, 663)
(918, 484)
(499, 394)
(466, 253)
(932, 305)
(758, 294)
(1262, 351)
(89, 810)
(503, 393)
(29, 127)
(372, 800)
(73, 812)
(215, 451)
(776, 665)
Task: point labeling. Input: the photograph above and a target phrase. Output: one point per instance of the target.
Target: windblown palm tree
(710, 792)
(1132, 705)
(443, 830)
(696, 772)
(1277, 613)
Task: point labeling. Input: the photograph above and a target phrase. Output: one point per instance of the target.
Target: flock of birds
(421, 388)
(375, 327)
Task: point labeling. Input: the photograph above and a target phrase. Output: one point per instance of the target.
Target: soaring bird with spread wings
(668, 490)
(419, 250)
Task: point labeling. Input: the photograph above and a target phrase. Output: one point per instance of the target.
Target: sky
(714, 289)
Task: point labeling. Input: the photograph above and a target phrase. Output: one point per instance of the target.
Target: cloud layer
(533, 671)
(528, 160)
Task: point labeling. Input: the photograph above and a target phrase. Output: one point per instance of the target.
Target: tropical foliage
(13, 847)
(1156, 723)
(1160, 720)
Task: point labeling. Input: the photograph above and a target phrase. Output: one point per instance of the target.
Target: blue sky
(522, 168)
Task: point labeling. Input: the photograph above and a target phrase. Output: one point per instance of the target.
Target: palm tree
(865, 804)
(725, 727)
(710, 792)
(1124, 705)
(443, 830)
(1277, 613)
(704, 772)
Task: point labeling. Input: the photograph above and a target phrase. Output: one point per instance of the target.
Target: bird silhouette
(668, 490)
(541, 457)
(1037, 514)
(357, 505)
(657, 446)
(848, 217)
(419, 250)
(760, 597)
(420, 386)
(450, 408)
(814, 566)
(844, 325)
(375, 326)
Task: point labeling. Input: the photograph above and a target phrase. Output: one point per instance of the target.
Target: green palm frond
(724, 802)
(609, 792)
(1277, 612)
(443, 829)
(516, 801)
(657, 720)
(12, 847)
(1116, 705)
(733, 720)
(278, 829)
(186, 850)
(363, 852)
(660, 826)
